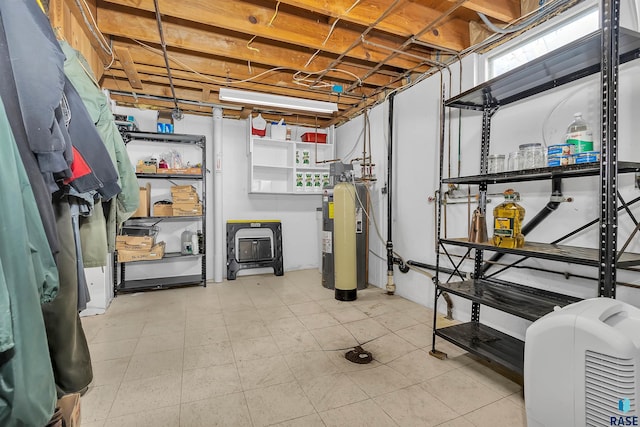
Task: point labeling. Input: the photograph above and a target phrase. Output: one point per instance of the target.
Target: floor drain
(358, 355)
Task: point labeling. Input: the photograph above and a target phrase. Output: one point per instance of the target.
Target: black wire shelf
(487, 343)
(571, 62)
(159, 283)
(169, 176)
(538, 174)
(522, 301)
(562, 253)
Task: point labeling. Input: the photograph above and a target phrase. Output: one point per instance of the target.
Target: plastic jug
(187, 242)
(507, 222)
(580, 134)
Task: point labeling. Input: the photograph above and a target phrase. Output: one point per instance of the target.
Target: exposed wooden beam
(206, 92)
(245, 113)
(143, 103)
(406, 19)
(56, 9)
(229, 69)
(277, 80)
(181, 37)
(253, 19)
(160, 90)
(129, 66)
(503, 10)
(168, 105)
(156, 75)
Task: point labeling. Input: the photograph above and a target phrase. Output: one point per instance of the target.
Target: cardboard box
(146, 169)
(134, 242)
(70, 407)
(189, 209)
(183, 189)
(185, 198)
(183, 171)
(156, 252)
(145, 203)
(188, 171)
(162, 209)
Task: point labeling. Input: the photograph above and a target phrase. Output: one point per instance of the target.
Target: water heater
(581, 365)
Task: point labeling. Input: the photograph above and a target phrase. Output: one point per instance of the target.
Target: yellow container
(507, 222)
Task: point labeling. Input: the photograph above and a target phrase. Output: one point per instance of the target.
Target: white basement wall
(297, 213)
(416, 154)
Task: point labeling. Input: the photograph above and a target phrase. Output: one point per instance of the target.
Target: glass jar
(513, 161)
(496, 163)
(531, 156)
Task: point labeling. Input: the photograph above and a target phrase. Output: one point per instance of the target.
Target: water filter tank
(344, 196)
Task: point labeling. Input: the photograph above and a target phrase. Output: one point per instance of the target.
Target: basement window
(559, 33)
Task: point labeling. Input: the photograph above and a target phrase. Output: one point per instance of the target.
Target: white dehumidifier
(581, 363)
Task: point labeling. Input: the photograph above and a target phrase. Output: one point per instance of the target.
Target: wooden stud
(129, 67)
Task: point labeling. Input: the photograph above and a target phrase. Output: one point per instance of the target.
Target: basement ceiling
(352, 52)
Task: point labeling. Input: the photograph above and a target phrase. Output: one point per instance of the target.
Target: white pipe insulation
(218, 228)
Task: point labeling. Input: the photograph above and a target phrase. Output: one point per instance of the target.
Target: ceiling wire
(404, 45)
(273, 18)
(369, 28)
(333, 27)
(297, 79)
(177, 114)
(527, 22)
(93, 29)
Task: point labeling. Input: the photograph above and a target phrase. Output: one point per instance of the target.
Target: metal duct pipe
(553, 203)
(391, 287)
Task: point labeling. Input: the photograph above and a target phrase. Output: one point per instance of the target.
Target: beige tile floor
(266, 350)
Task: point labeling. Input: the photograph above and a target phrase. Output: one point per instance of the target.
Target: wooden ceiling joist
(406, 19)
(198, 86)
(365, 47)
(242, 70)
(232, 15)
(181, 37)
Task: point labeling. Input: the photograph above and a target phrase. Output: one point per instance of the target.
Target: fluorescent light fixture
(269, 100)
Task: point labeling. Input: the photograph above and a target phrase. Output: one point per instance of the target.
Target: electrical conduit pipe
(218, 229)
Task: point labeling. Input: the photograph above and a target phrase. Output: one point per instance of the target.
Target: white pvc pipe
(218, 228)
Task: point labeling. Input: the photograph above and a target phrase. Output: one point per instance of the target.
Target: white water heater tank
(581, 365)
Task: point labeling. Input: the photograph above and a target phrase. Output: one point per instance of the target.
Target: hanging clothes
(126, 203)
(28, 31)
(28, 277)
(56, 122)
(68, 346)
(41, 190)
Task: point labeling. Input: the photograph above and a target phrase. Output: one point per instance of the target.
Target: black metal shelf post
(124, 285)
(609, 155)
(601, 51)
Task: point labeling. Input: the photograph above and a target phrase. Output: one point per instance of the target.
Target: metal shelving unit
(600, 52)
(128, 285)
(553, 252)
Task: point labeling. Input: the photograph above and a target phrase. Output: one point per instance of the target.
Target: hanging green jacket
(95, 243)
(28, 276)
